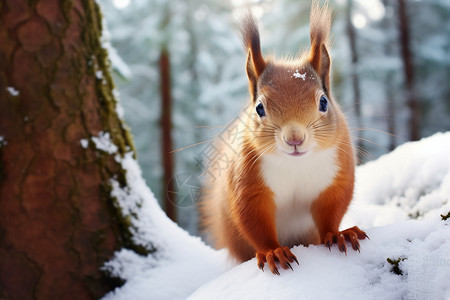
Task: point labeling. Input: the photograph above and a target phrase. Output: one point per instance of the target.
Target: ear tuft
(320, 22)
(255, 61)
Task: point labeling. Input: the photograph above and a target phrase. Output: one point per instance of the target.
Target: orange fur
(244, 207)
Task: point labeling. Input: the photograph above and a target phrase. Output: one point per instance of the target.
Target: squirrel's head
(293, 109)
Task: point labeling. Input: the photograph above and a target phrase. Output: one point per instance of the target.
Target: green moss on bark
(105, 85)
(100, 67)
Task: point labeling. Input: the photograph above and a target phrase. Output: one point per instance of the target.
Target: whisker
(372, 142)
(377, 130)
(209, 126)
(271, 147)
(193, 145)
(316, 120)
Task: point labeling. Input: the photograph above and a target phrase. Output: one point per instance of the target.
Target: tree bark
(166, 127)
(408, 68)
(58, 224)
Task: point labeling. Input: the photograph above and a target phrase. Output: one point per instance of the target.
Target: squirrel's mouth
(295, 150)
(297, 153)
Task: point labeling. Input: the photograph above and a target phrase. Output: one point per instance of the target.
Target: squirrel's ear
(255, 62)
(319, 59)
(254, 71)
(321, 62)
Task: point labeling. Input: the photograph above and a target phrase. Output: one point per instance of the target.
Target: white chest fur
(296, 182)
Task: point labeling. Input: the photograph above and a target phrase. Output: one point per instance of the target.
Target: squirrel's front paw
(350, 234)
(282, 255)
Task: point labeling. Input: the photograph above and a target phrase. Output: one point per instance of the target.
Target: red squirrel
(292, 180)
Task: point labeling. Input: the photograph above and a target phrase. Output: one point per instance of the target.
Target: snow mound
(422, 247)
(412, 182)
(407, 189)
(181, 263)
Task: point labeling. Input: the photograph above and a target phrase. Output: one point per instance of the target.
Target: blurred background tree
(391, 66)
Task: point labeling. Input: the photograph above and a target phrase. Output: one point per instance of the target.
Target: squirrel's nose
(294, 141)
(293, 134)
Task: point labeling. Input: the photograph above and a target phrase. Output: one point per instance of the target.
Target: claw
(261, 266)
(355, 243)
(289, 266)
(328, 244)
(275, 271)
(357, 246)
(289, 256)
(281, 255)
(350, 234)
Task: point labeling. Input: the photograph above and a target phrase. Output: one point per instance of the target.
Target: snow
(119, 108)
(103, 142)
(296, 74)
(176, 249)
(416, 185)
(99, 74)
(332, 275)
(413, 178)
(84, 143)
(12, 91)
(117, 62)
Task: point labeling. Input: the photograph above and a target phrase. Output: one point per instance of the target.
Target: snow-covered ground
(398, 201)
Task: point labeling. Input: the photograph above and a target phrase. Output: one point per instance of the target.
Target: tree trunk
(408, 67)
(354, 76)
(166, 127)
(58, 224)
(390, 110)
(388, 81)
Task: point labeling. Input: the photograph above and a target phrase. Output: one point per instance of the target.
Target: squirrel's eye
(260, 110)
(323, 104)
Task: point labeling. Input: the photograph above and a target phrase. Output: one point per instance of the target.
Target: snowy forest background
(208, 83)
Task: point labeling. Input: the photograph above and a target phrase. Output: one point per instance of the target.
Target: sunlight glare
(359, 20)
(121, 4)
(374, 9)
